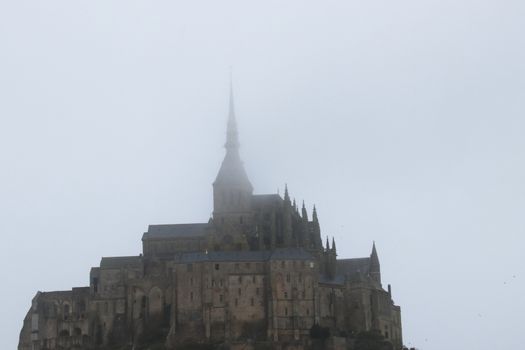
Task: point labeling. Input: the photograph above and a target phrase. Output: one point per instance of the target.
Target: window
(288, 277)
(307, 312)
(300, 277)
(286, 295)
(221, 298)
(191, 296)
(253, 278)
(252, 302)
(240, 279)
(191, 281)
(221, 282)
(217, 266)
(257, 291)
(106, 308)
(285, 311)
(213, 283)
(303, 295)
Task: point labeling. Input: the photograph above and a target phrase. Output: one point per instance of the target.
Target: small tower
(287, 218)
(316, 239)
(375, 267)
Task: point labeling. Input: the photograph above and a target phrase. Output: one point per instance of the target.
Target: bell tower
(232, 190)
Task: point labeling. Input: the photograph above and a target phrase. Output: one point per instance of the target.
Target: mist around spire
(232, 170)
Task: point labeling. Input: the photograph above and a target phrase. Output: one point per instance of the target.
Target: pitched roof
(262, 199)
(176, 231)
(226, 256)
(291, 254)
(352, 266)
(118, 262)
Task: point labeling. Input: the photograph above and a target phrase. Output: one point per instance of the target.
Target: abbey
(255, 273)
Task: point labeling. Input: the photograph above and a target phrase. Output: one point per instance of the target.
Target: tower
(232, 190)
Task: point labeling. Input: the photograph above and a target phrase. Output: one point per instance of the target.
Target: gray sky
(402, 121)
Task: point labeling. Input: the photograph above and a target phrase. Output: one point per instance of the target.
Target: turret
(287, 218)
(304, 230)
(316, 239)
(375, 268)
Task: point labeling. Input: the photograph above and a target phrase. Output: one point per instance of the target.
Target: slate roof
(277, 254)
(261, 199)
(176, 231)
(339, 279)
(291, 254)
(352, 266)
(118, 262)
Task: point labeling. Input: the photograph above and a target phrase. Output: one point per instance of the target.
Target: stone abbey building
(256, 273)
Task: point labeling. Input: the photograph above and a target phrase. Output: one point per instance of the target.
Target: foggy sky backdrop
(403, 121)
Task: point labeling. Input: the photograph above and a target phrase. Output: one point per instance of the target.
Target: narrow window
(191, 281)
(288, 278)
(217, 266)
(304, 294)
(251, 302)
(257, 291)
(307, 312)
(253, 278)
(286, 295)
(191, 296)
(221, 282)
(213, 283)
(285, 311)
(221, 298)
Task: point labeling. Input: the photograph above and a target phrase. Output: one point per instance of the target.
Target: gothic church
(256, 274)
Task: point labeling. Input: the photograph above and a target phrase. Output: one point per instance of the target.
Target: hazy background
(403, 121)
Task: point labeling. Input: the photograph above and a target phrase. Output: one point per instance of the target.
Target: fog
(402, 121)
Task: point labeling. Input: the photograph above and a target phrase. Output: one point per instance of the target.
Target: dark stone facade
(256, 275)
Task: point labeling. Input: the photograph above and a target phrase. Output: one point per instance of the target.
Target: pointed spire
(314, 215)
(294, 205)
(232, 136)
(286, 195)
(304, 213)
(333, 244)
(374, 258)
(375, 268)
(327, 243)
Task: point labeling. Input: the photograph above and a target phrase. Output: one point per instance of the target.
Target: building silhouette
(257, 272)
